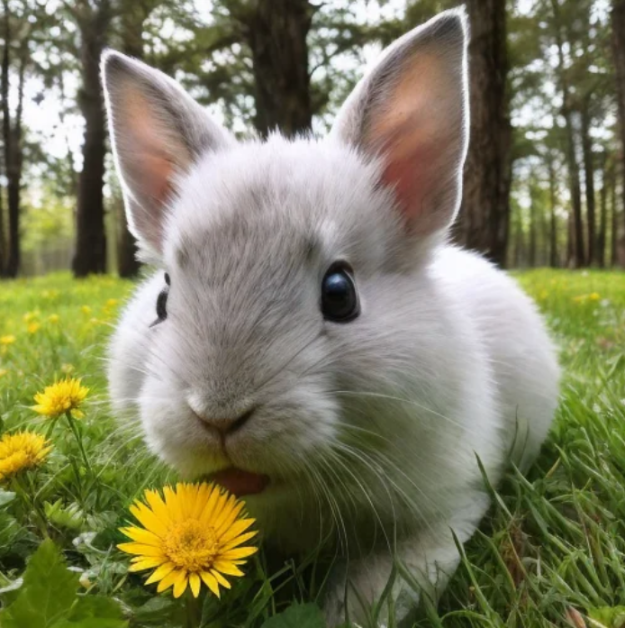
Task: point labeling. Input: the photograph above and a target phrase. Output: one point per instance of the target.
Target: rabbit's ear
(412, 112)
(157, 132)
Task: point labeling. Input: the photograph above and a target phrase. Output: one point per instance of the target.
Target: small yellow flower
(112, 303)
(54, 319)
(63, 396)
(22, 450)
(7, 340)
(31, 316)
(85, 309)
(191, 536)
(33, 327)
(594, 296)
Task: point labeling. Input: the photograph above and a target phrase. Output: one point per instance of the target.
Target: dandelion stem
(78, 438)
(32, 505)
(193, 611)
(50, 428)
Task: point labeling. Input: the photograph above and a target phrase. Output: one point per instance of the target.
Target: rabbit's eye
(339, 299)
(161, 303)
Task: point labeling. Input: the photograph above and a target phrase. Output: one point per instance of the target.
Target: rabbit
(310, 339)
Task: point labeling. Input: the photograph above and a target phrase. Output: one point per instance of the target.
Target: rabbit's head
(291, 287)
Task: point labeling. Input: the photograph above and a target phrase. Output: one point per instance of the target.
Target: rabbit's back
(522, 357)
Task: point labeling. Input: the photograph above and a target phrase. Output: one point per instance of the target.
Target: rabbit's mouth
(240, 482)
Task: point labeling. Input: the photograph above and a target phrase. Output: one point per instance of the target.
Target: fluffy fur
(369, 430)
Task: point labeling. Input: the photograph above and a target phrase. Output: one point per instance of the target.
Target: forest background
(544, 181)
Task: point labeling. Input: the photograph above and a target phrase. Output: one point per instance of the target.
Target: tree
(589, 173)
(93, 19)
(577, 251)
(12, 130)
(485, 207)
(276, 31)
(553, 224)
(618, 48)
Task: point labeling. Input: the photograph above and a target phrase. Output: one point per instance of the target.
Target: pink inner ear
(404, 176)
(157, 174)
(409, 166)
(152, 164)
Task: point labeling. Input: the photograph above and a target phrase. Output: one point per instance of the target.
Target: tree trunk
(132, 20)
(606, 170)
(90, 256)
(553, 224)
(577, 256)
(618, 48)
(570, 241)
(6, 124)
(589, 171)
(533, 225)
(12, 135)
(519, 245)
(276, 32)
(485, 210)
(14, 175)
(2, 241)
(614, 218)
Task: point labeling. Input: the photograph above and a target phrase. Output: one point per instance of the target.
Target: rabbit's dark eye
(161, 303)
(339, 299)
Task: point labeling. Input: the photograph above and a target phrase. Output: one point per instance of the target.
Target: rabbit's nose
(223, 422)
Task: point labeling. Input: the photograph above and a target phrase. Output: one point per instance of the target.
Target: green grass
(552, 543)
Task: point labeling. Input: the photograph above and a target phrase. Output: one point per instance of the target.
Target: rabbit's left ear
(412, 112)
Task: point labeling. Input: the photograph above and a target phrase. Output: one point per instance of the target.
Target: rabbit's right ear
(157, 132)
(412, 113)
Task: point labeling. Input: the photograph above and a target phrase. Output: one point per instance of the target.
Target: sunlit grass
(553, 544)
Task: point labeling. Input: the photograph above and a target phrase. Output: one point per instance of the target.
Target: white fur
(369, 430)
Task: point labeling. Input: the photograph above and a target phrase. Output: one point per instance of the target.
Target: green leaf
(6, 497)
(297, 616)
(47, 594)
(89, 606)
(159, 611)
(64, 517)
(91, 622)
(611, 617)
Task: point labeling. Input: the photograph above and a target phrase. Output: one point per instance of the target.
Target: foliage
(48, 598)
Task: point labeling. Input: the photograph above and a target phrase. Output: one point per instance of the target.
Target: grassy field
(552, 550)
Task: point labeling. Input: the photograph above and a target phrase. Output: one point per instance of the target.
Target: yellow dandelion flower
(7, 340)
(54, 319)
(63, 396)
(594, 296)
(23, 450)
(192, 535)
(85, 309)
(111, 302)
(33, 327)
(30, 316)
